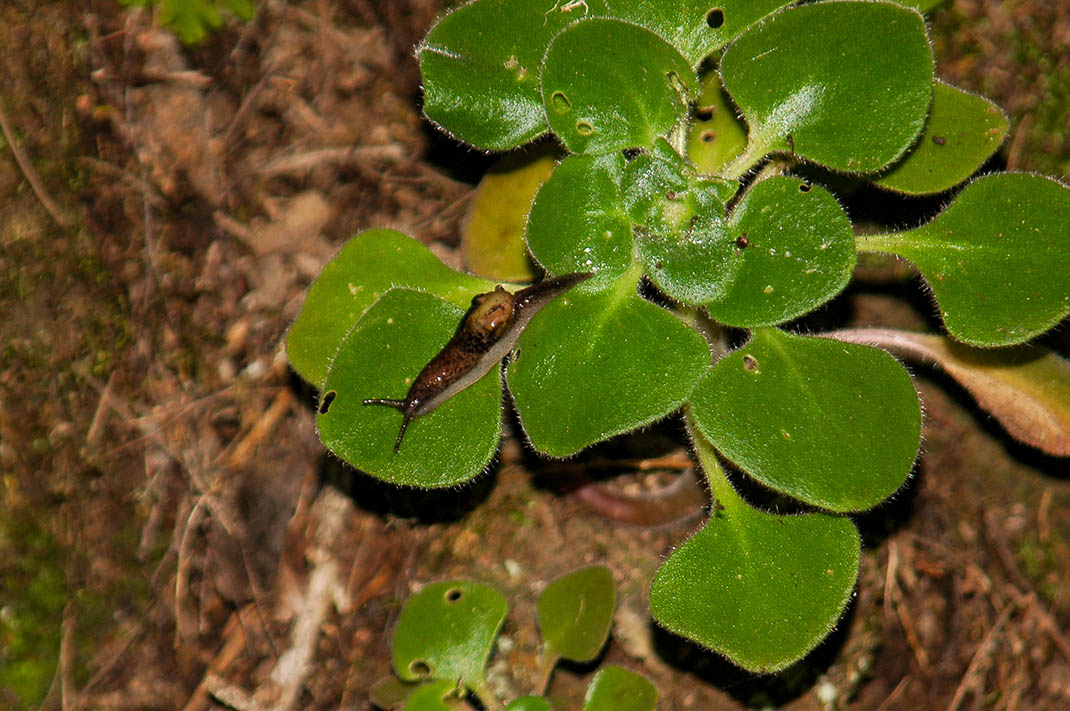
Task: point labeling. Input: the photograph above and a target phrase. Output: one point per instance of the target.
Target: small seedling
(701, 153)
(193, 20)
(445, 636)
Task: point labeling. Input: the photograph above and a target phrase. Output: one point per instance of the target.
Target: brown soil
(172, 534)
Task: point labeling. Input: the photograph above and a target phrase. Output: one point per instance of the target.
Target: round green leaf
(575, 613)
(696, 27)
(596, 364)
(446, 631)
(962, 132)
(834, 424)
(716, 136)
(760, 589)
(493, 239)
(438, 695)
(996, 260)
(529, 703)
(577, 224)
(618, 689)
(480, 66)
(365, 268)
(690, 266)
(790, 249)
(844, 84)
(609, 85)
(380, 358)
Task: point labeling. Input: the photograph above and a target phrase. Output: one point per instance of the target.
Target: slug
(487, 333)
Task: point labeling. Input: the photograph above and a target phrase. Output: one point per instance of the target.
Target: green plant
(445, 636)
(192, 20)
(726, 224)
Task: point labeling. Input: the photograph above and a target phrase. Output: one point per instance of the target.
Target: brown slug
(487, 333)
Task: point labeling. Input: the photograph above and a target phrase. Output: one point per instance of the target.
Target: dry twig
(29, 171)
(973, 678)
(893, 598)
(348, 155)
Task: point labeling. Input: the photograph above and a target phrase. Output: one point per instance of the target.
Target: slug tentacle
(396, 404)
(486, 334)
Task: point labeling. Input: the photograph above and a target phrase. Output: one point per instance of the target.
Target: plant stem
(885, 242)
(722, 494)
(547, 663)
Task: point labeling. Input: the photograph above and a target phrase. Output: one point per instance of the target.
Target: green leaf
(790, 249)
(618, 689)
(438, 695)
(446, 631)
(696, 27)
(833, 424)
(529, 703)
(596, 364)
(787, 75)
(761, 589)
(575, 613)
(962, 132)
(786, 249)
(1026, 388)
(661, 191)
(191, 20)
(391, 692)
(244, 9)
(366, 267)
(493, 239)
(609, 85)
(380, 358)
(577, 223)
(996, 260)
(716, 136)
(481, 64)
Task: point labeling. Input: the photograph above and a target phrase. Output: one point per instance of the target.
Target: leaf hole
(704, 113)
(584, 129)
(708, 136)
(560, 102)
(453, 594)
(631, 153)
(419, 667)
(715, 18)
(750, 363)
(804, 187)
(326, 400)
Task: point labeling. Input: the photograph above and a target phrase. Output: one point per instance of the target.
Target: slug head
(490, 314)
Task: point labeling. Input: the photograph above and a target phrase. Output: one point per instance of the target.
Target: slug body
(487, 333)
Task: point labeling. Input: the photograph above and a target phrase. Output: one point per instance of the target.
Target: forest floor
(172, 533)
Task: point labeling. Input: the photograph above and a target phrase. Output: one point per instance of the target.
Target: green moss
(32, 597)
(1040, 563)
(34, 592)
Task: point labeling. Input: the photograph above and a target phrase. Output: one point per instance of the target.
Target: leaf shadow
(748, 688)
